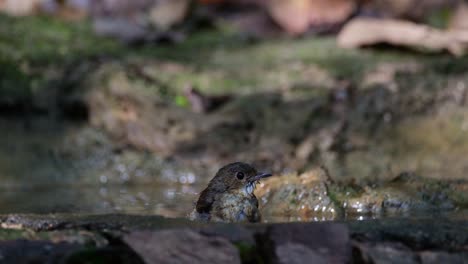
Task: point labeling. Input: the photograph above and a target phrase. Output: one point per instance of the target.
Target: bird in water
(229, 196)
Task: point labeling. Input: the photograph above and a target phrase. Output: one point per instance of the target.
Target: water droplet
(191, 178)
(170, 194)
(103, 179)
(183, 179)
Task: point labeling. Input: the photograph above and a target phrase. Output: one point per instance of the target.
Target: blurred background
(132, 105)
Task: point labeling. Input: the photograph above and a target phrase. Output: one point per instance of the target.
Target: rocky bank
(153, 239)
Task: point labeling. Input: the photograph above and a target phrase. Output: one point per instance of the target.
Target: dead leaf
(293, 16)
(167, 13)
(331, 11)
(296, 16)
(369, 31)
(19, 7)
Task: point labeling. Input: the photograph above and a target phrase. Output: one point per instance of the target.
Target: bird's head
(238, 176)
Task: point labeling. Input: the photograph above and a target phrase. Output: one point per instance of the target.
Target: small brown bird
(229, 196)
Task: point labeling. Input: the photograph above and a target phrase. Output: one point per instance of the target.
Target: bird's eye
(240, 175)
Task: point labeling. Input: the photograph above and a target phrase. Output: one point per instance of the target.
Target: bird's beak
(260, 176)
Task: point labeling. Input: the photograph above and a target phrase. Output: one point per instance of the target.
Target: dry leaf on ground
(368, 31)
(20, 7)
(296, 16)
(167, 13)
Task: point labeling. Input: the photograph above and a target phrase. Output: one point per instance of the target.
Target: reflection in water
(49, 166)
(175, 200)
(170, 201)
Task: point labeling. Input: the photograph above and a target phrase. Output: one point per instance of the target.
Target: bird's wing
(205, 201)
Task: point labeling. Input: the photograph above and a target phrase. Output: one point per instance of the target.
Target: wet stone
(21, 222)
(301, 197)
(421, 234)
(384, 253)
(393, 200)
(51, 222)
(25, 251)
(303, 242)
(234, 233)
(296, 253)
(181, 246)
(429, 257)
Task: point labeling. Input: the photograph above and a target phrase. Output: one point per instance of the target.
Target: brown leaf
(331, 11)
(296, 16)
(293, 16)
(368, 31)
(19, 7)
(167, 13)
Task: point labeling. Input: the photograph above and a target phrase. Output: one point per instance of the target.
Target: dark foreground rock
(399, 253)
(298, 242)
(150, 239)
(182, 246)
(24, 251)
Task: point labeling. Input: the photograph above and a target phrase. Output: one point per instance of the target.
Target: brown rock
(181, 246)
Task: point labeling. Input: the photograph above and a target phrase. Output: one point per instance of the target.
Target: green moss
(339, 193)
(248, 253)
(11, 234)
(13, 82)
(45, 40)
(439, 18)
(443, 65)
(35, 50)
(214, 61)
(335, 198)
(24, 233)
(104, 255)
